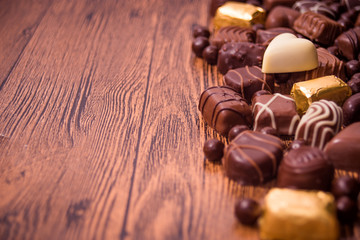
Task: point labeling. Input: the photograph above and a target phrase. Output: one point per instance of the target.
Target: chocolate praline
(351, 109)
(305, 168)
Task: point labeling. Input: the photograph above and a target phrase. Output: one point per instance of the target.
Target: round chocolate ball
(352, 67)
(200, 31)
(270, 131)
(354, 83)
(199, 44)
(346, 209)
(236, 130)
(345, 186)
(213, 150)
(297, 144)
(247, 211)
(210, 54)
(351, 109)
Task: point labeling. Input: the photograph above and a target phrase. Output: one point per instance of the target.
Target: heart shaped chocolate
(287, 53)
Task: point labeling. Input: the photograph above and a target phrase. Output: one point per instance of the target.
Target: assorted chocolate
(312, 48)
(253, 157)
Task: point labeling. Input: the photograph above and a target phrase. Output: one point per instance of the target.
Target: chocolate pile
(290, 69)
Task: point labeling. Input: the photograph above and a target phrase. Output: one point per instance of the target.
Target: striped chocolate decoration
(253, 157)
(233, 34)
(223, 108)
(320, 123)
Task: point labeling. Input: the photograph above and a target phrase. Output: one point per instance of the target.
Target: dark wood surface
(100, 136)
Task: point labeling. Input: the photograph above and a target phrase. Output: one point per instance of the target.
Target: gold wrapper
(329, 87)
(238, 14)
(298, 214)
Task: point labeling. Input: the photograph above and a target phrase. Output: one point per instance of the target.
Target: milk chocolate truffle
(279, 56)
(351, 109)
(223, 108)
(328, 87)
(344, 149)
(233, 34)
(349, 43)
(238, 14)
(281, 16)
(277, 111)
(265, 36)
(320, 123)
(316, 7)
(248, 80)
(252, 157)
(305, 168)
(299, 214)
(240, 54)
(317, 27)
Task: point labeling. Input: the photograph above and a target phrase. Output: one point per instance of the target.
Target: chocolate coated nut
(213, 150)
(351, 109)
(210, 54)
(352, 67)
(247, 211)
(200, 31)
(199, 44)
(354, 83)
(236, 130)
(345, 186)
(346, 209)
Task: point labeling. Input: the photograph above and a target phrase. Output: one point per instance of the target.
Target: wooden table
(100, 135)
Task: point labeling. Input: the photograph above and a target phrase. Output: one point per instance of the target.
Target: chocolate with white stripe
(320, 123)
(253, 157)
(223, 108)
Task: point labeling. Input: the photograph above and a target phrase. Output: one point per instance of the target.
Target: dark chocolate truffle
(233, 34)
(199, 44)
(253, 157)
(320, 123)
(317, 27)
(223, 108)
(281, 16)
(351, 109)
(236, 130)
(344, 149)
(277, 111)
(239, 54)
(213, 150)
(248, 80)
(247, 211)
(305, 168)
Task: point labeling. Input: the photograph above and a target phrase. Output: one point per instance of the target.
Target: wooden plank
(70, 114)
(18, 22)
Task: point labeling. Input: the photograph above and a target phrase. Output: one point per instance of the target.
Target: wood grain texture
(100, 135)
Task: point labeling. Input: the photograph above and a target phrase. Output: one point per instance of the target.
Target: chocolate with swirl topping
(223, 108)
(305, 168)
(253, 157)
(320, 123)
(232, 34)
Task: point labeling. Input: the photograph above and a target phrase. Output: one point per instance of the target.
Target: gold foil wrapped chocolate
(298, 214)
(330, 88)
(238, 14)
